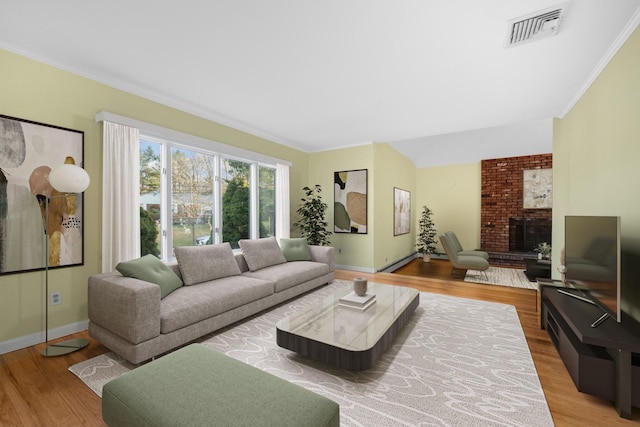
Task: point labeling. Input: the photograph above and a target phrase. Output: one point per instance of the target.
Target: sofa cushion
(203, 263)
(296, 249)
(152, 270)
(290, 274)
(205, 300)
(261, 253)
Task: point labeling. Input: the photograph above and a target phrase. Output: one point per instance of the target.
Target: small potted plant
(312, 224)
(544, 250)
(426, 235)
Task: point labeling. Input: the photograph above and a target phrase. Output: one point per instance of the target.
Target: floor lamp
(67, 179)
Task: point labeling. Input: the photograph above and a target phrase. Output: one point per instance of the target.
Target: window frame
(166, 213)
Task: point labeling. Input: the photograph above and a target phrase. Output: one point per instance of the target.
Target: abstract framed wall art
(28, 152)
(350, 201)
(537, 188)
(401, 211)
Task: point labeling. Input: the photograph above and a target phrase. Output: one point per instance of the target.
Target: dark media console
(603, 361)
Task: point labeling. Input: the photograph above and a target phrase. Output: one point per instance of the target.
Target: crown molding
(150, 95)
(609, 54)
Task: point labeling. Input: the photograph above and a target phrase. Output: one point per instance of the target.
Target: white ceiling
(432, 78)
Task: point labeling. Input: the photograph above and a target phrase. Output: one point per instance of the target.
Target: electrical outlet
(56, 298)
(339, 250)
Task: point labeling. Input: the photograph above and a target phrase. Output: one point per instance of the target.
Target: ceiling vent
(535, 26)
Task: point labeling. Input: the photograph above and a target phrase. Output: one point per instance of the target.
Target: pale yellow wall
(387, 168)
(391, 169)
(596, 151)
(352, 250)
(41, 93)
(453, 194)
(596, 147)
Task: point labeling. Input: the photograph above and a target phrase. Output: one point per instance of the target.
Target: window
(191, 196)
(267, 201)
(192, 178)
(236, 201)
(150, 200)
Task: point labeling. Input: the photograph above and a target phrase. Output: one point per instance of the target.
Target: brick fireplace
(509, 232)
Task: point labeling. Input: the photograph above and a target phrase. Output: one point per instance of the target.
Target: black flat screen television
(592, 259)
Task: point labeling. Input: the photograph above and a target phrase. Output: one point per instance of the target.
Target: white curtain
(283, 216)
(120, 195)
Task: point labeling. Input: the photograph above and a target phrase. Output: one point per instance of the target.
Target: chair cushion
(471, 262)
(453, 241)
(296, 249)
(448, 248)
(457, 247)
(482, 254)
(203, 263)
(261, 253)
(152, 270)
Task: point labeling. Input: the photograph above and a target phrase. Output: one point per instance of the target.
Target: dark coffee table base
(339, 357)
(536, 269)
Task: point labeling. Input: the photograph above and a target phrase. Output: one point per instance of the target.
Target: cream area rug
(511, 277)
(457, 362)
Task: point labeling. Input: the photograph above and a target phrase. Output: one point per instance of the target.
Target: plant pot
(426, 257)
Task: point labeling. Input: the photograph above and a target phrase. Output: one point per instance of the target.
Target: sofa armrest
(125, 306)
(325, 254)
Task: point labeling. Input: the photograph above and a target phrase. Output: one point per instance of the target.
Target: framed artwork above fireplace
(537, 189)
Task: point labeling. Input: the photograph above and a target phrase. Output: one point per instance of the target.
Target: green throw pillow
(152, 270)
(295, 249)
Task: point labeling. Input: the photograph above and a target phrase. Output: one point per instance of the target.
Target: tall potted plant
(426, 235)
(312, 225)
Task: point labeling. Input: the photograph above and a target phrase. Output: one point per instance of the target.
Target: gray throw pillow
(203, 263)
(152, 270)
(296, 249)
(261, 253)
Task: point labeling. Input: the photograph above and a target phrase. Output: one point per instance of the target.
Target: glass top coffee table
(347, 337)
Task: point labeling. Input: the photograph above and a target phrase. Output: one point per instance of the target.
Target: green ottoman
(195, 386)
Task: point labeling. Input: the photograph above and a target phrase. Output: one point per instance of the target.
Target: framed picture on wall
(350, 201)
(537, 189)
(28, 152)
(401, 211)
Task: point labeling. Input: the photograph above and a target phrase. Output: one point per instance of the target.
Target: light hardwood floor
(37, 391)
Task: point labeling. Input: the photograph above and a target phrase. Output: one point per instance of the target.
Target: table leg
(623, 382)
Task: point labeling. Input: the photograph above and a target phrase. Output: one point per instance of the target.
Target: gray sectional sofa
(209, 287)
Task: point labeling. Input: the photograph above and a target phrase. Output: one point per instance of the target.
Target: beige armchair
(458, 247)
(462, 262)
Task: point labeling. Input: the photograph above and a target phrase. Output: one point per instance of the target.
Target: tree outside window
(192, 178)
(236, 199)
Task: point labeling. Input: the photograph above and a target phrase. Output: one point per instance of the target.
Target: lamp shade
(69, 179)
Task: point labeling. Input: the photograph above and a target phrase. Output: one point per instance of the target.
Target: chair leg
(458, 273)
(481, 273)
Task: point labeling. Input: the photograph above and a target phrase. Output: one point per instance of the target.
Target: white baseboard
(399, 263)
(39, 337)
(386, 269)
(355, 268)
